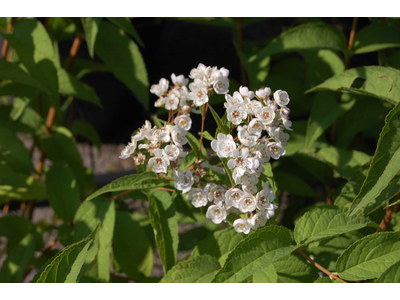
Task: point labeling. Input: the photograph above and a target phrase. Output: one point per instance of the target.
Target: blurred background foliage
(67, 80)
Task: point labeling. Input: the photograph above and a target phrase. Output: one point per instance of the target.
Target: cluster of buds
(260, 121)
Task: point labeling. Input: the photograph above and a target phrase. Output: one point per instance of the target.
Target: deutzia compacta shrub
(258, 123)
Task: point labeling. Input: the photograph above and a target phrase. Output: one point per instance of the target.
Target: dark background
(177, 46)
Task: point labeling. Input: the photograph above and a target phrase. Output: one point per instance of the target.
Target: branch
(388, 216)
(331, 275)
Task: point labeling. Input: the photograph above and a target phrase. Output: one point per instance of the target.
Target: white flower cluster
(260, 121)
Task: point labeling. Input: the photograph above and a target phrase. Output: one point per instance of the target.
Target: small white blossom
(172, 152)
(179, 80)
(199, 95)
(160, 102)
(216, 213)
(217, 194)
(236, 113)
(171, 102)
(245, 138)
(143, 132)
(286, 122)
(270, 211)
(232, 100)
(265, 115)
(246, 93)
(247, 203)
(265, 197)
(221, 85)
(252, 106)
(129, 149)
(198, 73)
(232, 197)
(183, 181)
(224, 145)
(239, 159)
(256, 126)
(263, 93)
(160, 88)
(275, 150)
(281, 97)
(184, 122)
(250, 188)
(241, 225)
(179, 136)
(198, 197)
(159, 162)
(258, 220)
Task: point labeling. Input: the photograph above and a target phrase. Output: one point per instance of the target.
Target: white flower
(275, 150)
(183, 182)
(281, 97)
(246, 178)
(279, 135)
(252, 106)
(171, 102)
(245, 138)
(256, 127)
(160, 88)
(160, 102)
(217, 194)
(208, 187)
(241, 225)
(236, 113)
(232, 197)
(198, 197)
(143, 132)
(184, 122)
(270, 211)
(265, 115)
(265, 197)
(158, 135)
(216, 213)
(224, 72)
(129, 149)
(179, 80)
(198, 72)
(199, 95)
(179, 136)
(262, 153)
(172, 152)
(159, 162)
(264, 93)
(247, 203)
(224, 146)
(250, 188)
(240, 159)
(232, 100)
(221, 85)
(286, 122)
(258, 220)
(246, 93)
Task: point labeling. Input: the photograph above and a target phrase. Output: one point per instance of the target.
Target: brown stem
(329, 199)
(241, 46)
(388, 216)
(73, 51)
(202, 129)
(22, 207)
(319, 266)
(120, 277)
(199, 163)
(4, 50)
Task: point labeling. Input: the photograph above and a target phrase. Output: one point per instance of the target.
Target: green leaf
(182, 205)
(385, 163)
(15, 228)
(229, 172)
(370, 256)
(222, 128)
(18, 186)
(326, 222)
(165, 224)
(29, 122)
(17, 89)
(379, 82)
(293, 184)
(91, 27)
(98, 212)
(61, 28)
(345, 162)
(131, 247)
(195, 144)
(199, 270)
(19, 106)
(13, 268)
(62, 190)
(295, 269)
(126, 61)
(67, 265)
(125, 24)
(266, 275)
(82, 67)
(391, 275)
(219, 244)
(307, 36)
(206, 135)
(69, 85)
(12, 71)
(35, 50)
(370, 38)
(13, 152)
(259, 249)
(87, 130)
(148, 180)
(61, 146)
(324, 112)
